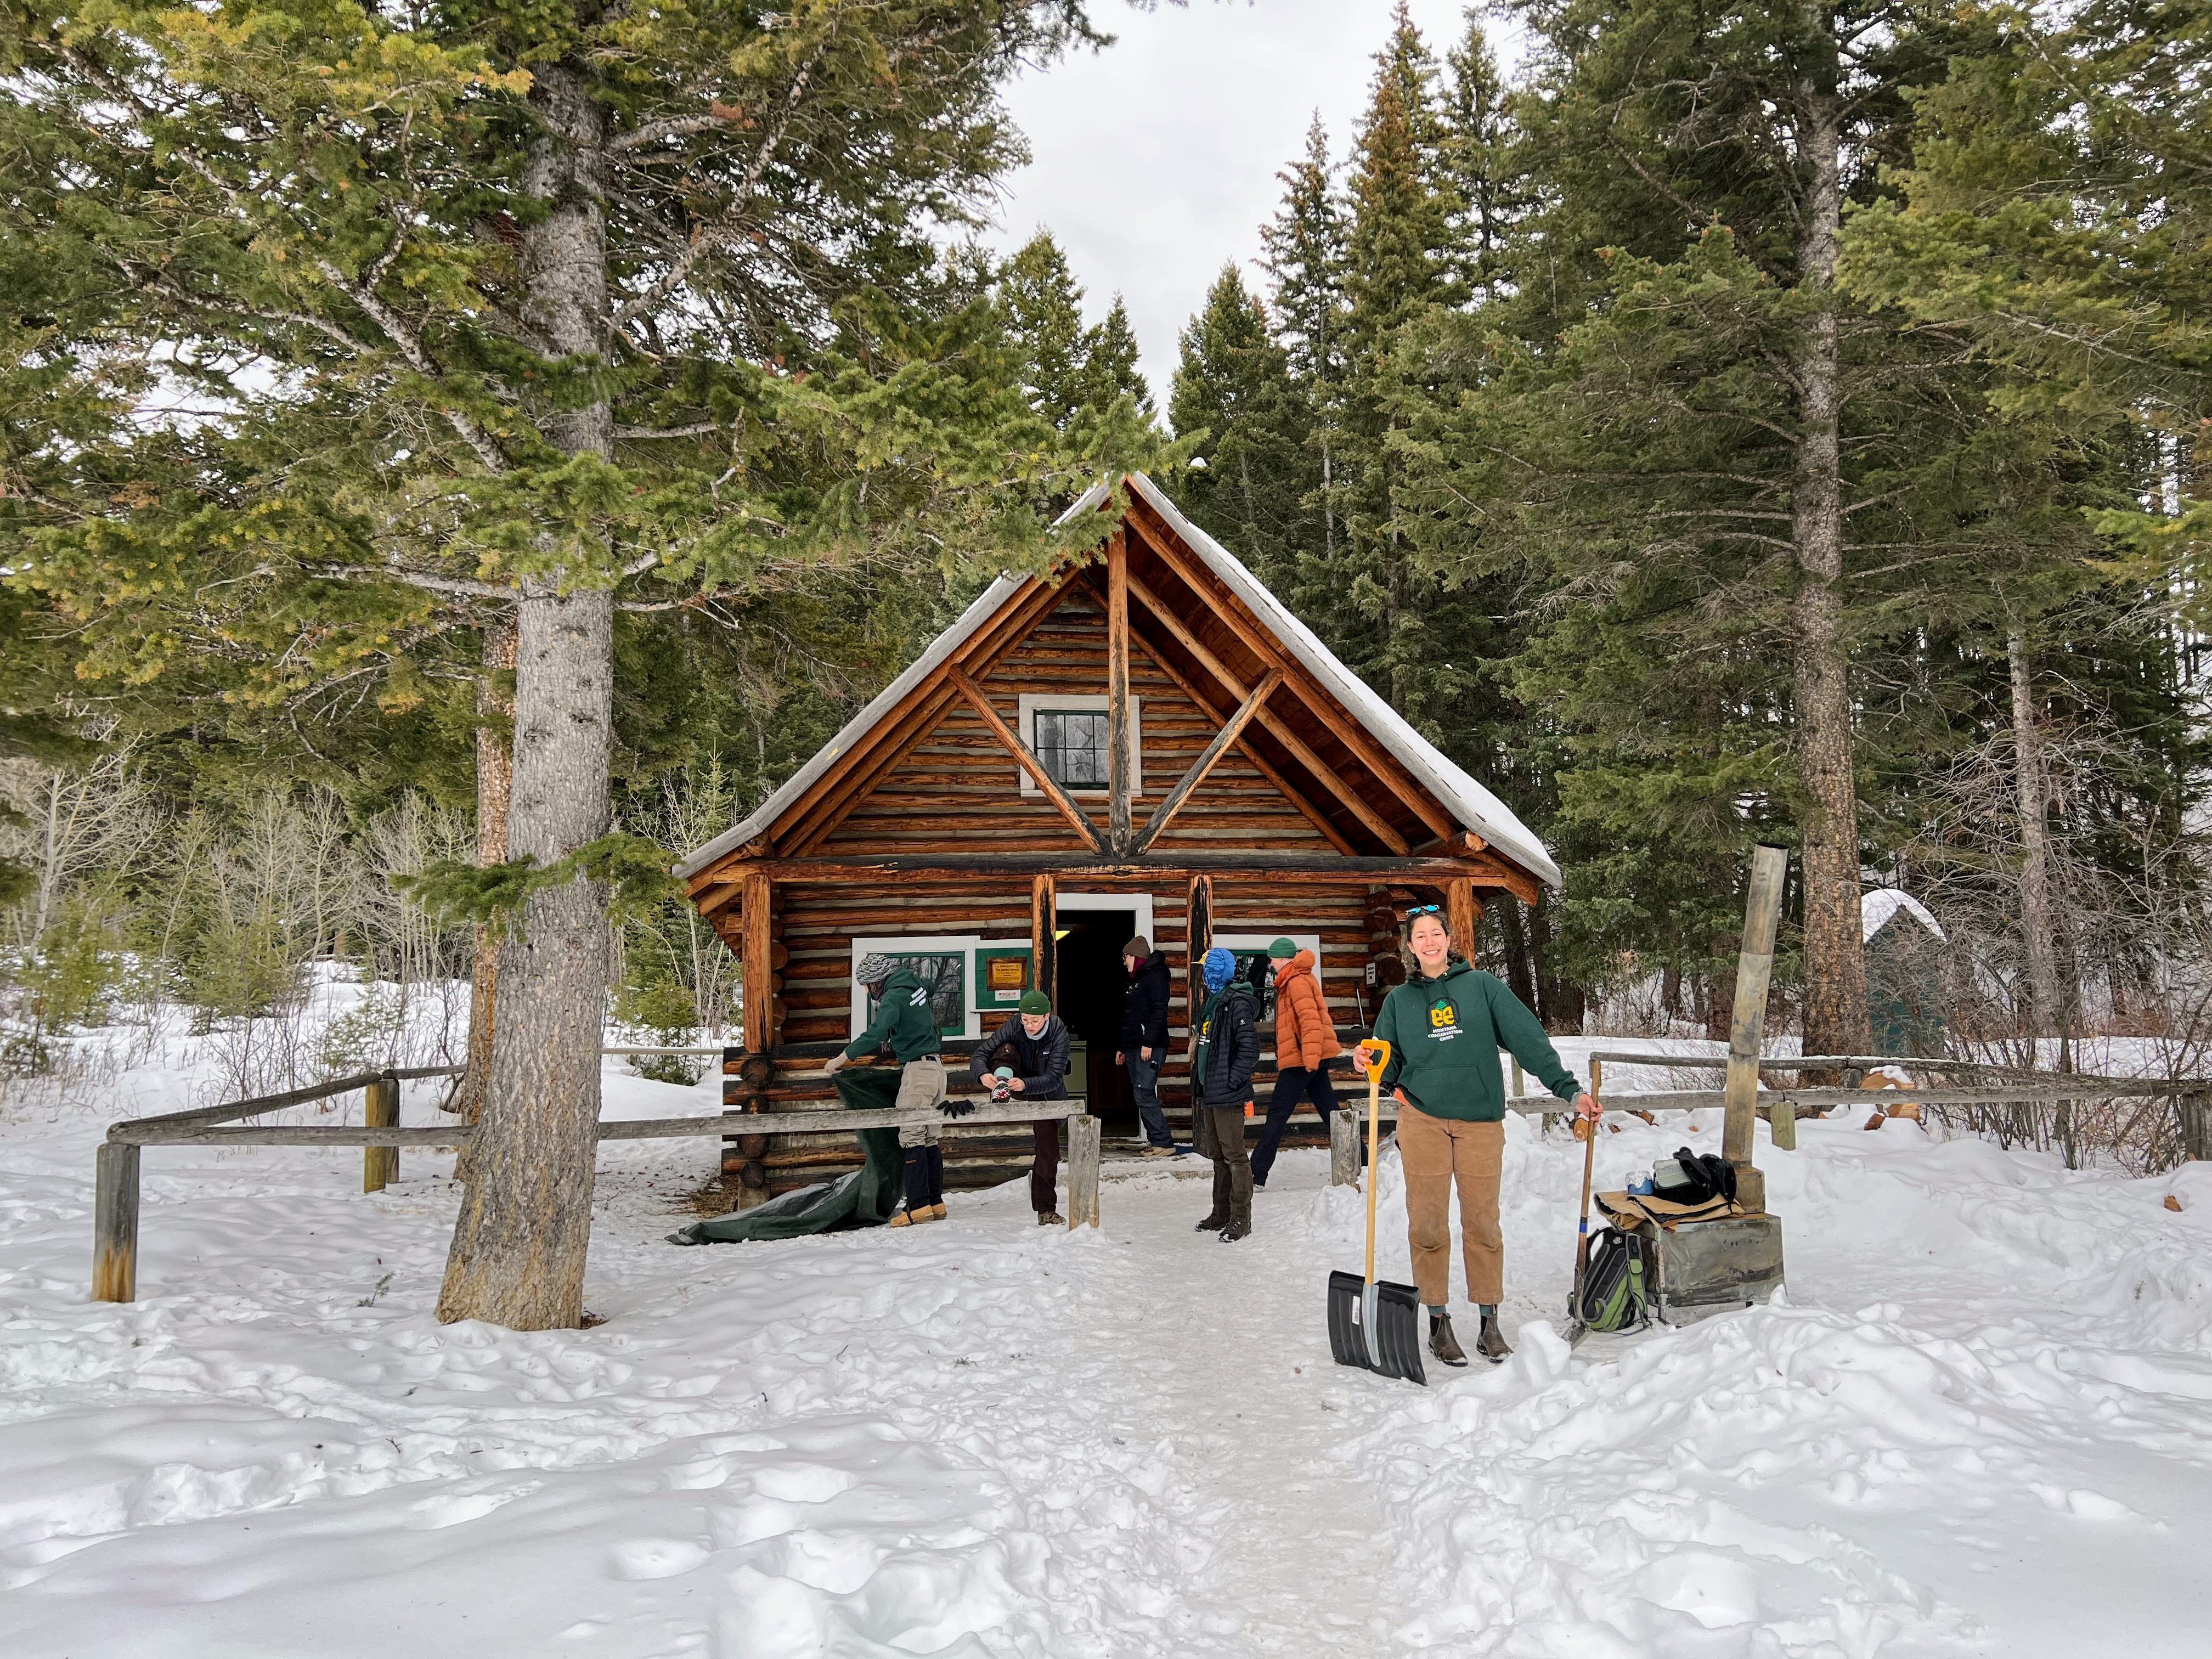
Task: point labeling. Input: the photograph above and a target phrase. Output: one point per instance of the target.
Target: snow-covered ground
(1981, 1423)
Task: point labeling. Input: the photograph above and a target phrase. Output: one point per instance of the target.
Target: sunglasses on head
(1423, 910)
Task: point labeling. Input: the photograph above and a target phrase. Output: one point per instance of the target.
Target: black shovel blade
(1397, 1327)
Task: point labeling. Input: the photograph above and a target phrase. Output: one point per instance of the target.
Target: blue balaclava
(1219, 965)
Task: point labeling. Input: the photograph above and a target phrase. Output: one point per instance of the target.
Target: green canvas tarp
(866, 1197)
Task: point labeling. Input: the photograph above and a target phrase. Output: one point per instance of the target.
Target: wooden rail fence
(381, 1135)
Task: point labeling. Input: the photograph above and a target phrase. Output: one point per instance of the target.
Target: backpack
(1689, 1177)
(1616, 1289)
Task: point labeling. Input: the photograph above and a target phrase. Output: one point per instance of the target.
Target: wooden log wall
(815, 927)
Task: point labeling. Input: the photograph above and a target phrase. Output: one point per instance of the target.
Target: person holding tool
(904, 1020)
(1026, 1058)
(1444, 1026)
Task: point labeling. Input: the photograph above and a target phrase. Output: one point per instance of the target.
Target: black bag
(1616, 1288)
(1690, 1177)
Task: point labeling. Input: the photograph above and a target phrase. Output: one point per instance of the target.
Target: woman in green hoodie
(1445, 1025)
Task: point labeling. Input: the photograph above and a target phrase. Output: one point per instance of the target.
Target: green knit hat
(1035, 1002)
(1282, 947)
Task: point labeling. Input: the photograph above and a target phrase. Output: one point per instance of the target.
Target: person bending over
(1031, 1045)
(1225, 1051)
(903, 1019)
(1445, 1025)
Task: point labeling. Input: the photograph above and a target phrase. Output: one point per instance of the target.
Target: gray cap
(875, 968)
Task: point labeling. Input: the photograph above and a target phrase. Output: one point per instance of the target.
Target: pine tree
(1234, 386)
(1305, 257)
(1109, 364)
(576, 309)
(1042, 306)
(1478, 153)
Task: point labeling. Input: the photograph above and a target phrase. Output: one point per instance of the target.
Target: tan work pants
(1439, 1152)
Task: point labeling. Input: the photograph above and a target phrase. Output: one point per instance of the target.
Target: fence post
(379, 1165)
(1754, 966)
(1343, 1148)
(1082, 1132)
(2196, 1113)
(115, 1224)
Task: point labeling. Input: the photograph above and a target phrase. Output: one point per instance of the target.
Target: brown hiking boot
(1490, 1344)
(1442, 1343)
(1048, 1218)
(1235, 1230)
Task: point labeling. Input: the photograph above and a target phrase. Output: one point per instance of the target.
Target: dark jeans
(1292, 1085)
(1144, 1084)
(1219, 1132)
(925, 1176)
(1044, 1166)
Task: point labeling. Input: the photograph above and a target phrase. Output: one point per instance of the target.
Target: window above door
(1067, 733)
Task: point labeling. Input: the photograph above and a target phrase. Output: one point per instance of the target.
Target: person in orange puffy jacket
(1305, 1042)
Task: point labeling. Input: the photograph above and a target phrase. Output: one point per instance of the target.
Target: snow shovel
(1375, 1326)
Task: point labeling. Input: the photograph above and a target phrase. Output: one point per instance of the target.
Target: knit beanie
(1035, 1002)
(1283, 949)
(875, 968)
(1139, 947)
(1219, 965)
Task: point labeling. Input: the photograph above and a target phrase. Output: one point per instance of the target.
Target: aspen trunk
(2031, 791)
(495, 797)
(519, 1242)
(1835, 958)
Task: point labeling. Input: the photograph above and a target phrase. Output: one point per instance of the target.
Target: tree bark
(1835, 959)
(2031, 792)
(519, 1242)
(495, 797)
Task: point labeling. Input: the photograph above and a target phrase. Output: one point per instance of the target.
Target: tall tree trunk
(520, 1244)
(2031, 792)
(1835, 956)
(495, 796)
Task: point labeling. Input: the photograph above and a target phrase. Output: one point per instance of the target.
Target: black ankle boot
(1213, 1223)
(1442, 1343)
(1235, 1230)
(1490, 1343)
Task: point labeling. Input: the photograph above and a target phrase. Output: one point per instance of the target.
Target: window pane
(946, 976)
(1071, 744)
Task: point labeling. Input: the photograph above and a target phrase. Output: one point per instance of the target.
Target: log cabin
(1145, 742)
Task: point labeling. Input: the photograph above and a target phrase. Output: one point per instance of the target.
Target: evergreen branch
(674, 126)
(697, 429)
(707, 238)
(634, 870)
(413, 579)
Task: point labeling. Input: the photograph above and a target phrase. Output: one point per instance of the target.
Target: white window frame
(1139, 902)
(918, 945)
(1261, 941)
(1028, 704)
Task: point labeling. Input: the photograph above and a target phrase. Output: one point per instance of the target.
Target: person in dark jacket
(1033, 1046)
(1224, 1052)
(1445, 1025)
(906, 1024)
(1144, 1039)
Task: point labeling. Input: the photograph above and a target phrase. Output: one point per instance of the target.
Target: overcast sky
(1155, 159)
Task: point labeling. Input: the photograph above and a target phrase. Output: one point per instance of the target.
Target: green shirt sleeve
(1524, 1037)
(879, 1028)
(1386, 1030)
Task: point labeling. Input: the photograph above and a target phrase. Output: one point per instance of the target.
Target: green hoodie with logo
(902, 1019)
(1444, 1034)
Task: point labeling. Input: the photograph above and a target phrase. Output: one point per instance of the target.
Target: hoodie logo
(920, 997)
(1443, 1019)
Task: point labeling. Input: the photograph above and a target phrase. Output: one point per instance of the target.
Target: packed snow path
(1979, 1426)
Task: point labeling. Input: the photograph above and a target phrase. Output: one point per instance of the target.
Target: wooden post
(1462, 911)
(2195, 1112)
(1748, 1021)
(115, 1224)
(380, 1109)
(1198, 939)
(1344, 1148)
(1044, 908)
(1117, 690)
(758, 977)
(1083, 1171)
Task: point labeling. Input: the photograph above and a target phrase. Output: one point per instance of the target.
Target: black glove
(958, 1108)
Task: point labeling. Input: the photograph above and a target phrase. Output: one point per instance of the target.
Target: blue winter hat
(1219, 965)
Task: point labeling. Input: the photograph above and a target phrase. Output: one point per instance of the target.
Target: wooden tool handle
(1587, 1130)
(1378, 1056)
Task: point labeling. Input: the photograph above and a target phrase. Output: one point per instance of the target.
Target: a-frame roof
(1206, 618)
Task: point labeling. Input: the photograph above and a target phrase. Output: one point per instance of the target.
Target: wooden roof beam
(1010, 740)
(1231, 729)
(1299, 750)
(1342, 722)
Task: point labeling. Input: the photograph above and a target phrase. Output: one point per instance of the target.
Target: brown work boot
(1490, 1344)
(1442, 1343)
(1049, 1218)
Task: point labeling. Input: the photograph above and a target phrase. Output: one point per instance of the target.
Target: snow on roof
(1474, 807)
(987, 605)
(1879, 907)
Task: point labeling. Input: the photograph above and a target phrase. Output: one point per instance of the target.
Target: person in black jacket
(1223, 1056)
(1144, 1039)
(1033, 1046)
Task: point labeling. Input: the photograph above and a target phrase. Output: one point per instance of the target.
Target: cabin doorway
(1087, 961)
